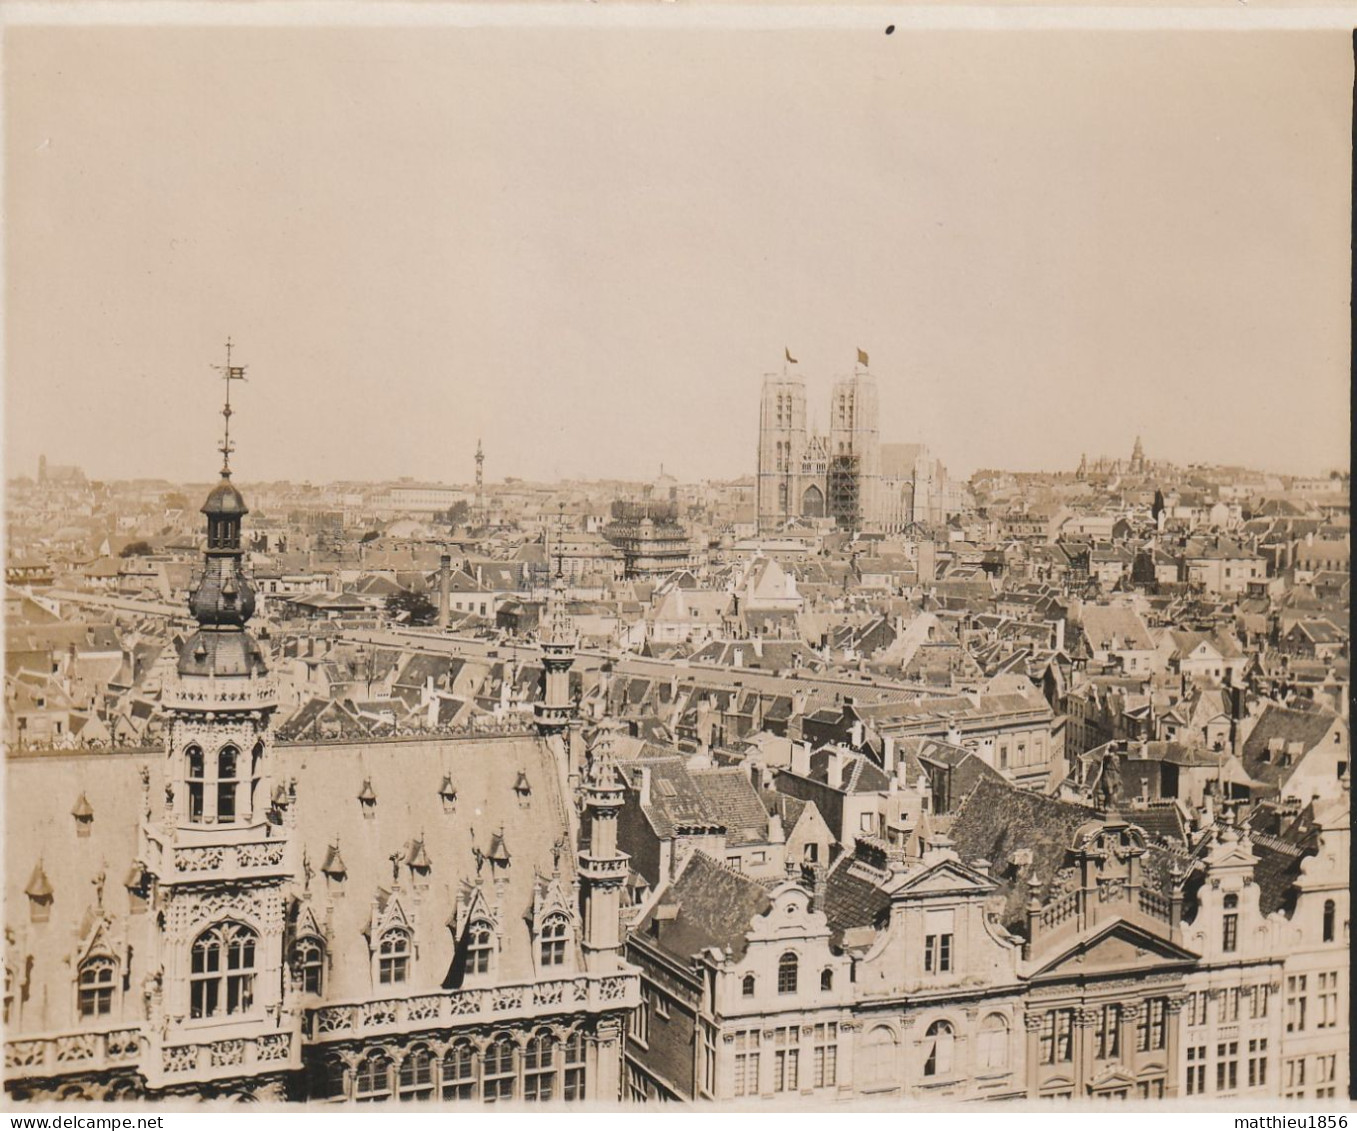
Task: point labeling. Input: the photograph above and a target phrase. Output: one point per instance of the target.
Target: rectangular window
(1109, 1032)
(639, 1024)
(1196, 1070)
(1150, 1027)
(939, 928)
(1196, 1008)
(661, 1007)
(1057, 1036)
(1258, 1002)
(708, 1059)
(1227, 1066)
(1327, 1001)
(786, 1060)
(747, 1063)
(1228, 1011)
(826, 1055)
(1231, 933)
(1258, 1063)
(1294, 1082)
(1295, 1003)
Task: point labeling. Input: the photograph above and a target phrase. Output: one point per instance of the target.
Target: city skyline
(595, 286)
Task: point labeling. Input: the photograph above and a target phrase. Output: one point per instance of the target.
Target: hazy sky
(587, 246)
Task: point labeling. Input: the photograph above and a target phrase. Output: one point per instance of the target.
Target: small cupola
(522, 789)
(418, 859)
(83, 812)
(367, 799)
(334, 867)
(447, 793)
(499, 851)
(40, 895)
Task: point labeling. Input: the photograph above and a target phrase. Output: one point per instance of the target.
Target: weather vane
(229, 373)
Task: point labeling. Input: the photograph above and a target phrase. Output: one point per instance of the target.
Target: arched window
(195, 775)
(553, 940)
(747, 986)
(309, 962)
(501, 1070)
(96, 986)
(786, 974)
(393, 957)
(228, 773)
(1330, 911)
(415, 1082)
(372, 1081)
(938, 1042)
(878, 1057)
(539, 1068)
(480, 948)
(221, 972)
(459, 1072)
(826, 979)
(573, 1051)
(992, 1045)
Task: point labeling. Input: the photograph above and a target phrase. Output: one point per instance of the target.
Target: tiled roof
(714, 908)
(854, 897)
(732, 797)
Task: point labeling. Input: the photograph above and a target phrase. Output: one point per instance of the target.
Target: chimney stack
(444, 590)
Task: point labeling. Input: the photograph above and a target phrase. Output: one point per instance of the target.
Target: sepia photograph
(592, 556)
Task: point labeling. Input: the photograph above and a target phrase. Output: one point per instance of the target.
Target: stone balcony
(243, 693)
(59, 1054)
(577, 994)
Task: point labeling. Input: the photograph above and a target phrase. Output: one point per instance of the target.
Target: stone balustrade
(477, 1004)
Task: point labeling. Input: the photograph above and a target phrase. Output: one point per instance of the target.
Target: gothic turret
(603, 868)
(219, 851)
(556, 711)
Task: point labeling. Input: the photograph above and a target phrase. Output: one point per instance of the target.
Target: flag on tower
(788, 355)
(862, 357)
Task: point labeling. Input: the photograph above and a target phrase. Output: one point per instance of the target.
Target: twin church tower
(803, 474)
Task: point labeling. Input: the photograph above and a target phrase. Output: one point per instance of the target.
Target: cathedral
(429, 919)
(847, 475)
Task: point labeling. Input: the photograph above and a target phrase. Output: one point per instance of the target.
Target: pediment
(1116, 946)
(946, 877)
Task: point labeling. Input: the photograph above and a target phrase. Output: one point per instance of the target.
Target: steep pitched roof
(713, 905)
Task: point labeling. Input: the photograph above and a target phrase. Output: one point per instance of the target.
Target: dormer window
(97, 976)
(393, 957)
(553, 940)
(367, 799)
(309, 963)
(480, 947)
(83, 813)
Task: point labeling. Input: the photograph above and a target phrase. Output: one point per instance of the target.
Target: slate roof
(715, 906)
(854, 897)
(997, 819)
(731, 796)
(1307, 727)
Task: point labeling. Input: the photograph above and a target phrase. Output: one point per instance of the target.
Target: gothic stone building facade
(404, 920)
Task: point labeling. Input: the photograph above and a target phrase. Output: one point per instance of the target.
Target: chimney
(640, 781)
(801, 758)
(444, 590)
(888, 753)
(1060, 635)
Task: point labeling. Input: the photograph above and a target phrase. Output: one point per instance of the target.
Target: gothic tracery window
(459, 1072)
(539, 1068)
(96, 986)
(309, 962)
(222, 971)
(393, 957)
(553, 940)
(415, 1081)
(480, 947)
